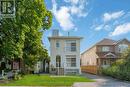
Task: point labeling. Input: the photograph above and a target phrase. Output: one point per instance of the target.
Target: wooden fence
(89, 69)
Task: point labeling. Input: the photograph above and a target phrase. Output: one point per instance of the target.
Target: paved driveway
(101, 82)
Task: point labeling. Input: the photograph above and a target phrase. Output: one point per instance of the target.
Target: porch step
(61, 71)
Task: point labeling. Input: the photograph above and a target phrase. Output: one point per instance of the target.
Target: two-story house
(104, 53)
(65, 53)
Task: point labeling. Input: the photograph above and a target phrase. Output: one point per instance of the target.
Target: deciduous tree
(20, 37)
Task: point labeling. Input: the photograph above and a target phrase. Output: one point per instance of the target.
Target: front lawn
(46, 80)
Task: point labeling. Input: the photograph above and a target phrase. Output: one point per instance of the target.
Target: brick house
(104, 53)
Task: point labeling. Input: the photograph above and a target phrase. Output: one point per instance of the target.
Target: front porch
(10, 67)
(64, 71)
(42, 66)
(7, 65)
(106, 62)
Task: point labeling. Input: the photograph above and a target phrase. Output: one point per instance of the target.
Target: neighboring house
(5, 64)
(42, 66)
(9, 65)
(64, 53)
(104, 53)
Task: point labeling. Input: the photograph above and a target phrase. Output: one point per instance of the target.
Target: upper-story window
(122, 47)
(105, 49)
(57, 44)
(70, 45)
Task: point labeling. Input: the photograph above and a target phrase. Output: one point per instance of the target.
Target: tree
(20, 36)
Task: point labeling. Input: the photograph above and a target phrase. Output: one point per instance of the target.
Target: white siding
(61, 52)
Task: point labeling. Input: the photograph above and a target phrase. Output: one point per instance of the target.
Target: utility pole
(68, 34)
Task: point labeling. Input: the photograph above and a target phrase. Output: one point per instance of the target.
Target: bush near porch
(121, 68)
(46, 80)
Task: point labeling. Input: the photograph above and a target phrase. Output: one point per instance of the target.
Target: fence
(90, 69)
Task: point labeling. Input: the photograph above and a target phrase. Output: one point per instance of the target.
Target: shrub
(120, 69)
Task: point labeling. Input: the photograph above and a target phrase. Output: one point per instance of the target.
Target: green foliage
(20, 37)
(121, 68)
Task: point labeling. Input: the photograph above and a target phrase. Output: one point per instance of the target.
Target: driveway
(101, 81)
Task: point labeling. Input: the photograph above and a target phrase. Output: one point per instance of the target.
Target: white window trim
(71, 56)
(57, 42)
(68, 48)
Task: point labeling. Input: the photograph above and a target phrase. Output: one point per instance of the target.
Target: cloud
(104, 22)
(78, 8)
(78, 11)
(121, 29)
(64, 18)
(99, 27)
(111, 16)
(107, 27)
(102, 26)
(72, 1)
(65, 14)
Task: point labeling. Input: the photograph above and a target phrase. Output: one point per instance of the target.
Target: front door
(58, 61)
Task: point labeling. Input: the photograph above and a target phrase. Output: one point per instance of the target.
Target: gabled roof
(106, 41)
(114, 56)
(122, 40)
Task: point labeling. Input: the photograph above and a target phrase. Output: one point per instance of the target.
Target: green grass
(46, 80)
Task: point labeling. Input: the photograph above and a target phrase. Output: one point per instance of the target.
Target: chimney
(55, 32)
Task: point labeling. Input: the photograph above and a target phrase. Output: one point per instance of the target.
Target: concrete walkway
(101, 82)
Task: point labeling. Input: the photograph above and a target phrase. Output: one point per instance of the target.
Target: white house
(65, 53)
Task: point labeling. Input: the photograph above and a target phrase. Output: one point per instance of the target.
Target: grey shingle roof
(106, 41)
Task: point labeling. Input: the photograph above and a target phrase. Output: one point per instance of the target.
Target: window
(105, 49)
(71, 61)
(57, 44)
(70, 45)
(73, 46)
(58, 61)
(122, 47)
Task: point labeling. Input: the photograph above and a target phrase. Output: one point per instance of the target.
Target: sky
(91, 19)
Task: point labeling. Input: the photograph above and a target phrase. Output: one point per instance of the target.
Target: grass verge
(46, 80)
